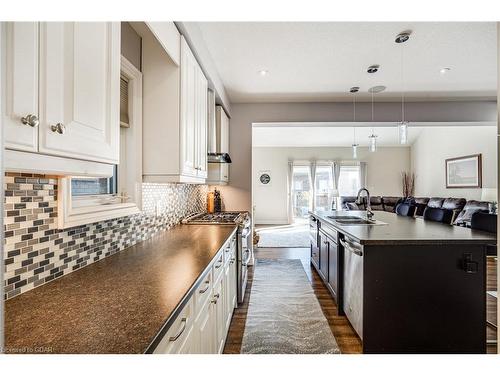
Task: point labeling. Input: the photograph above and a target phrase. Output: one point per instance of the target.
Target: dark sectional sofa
(461, 208)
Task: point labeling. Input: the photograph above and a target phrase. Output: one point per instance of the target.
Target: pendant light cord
(354, 116)
(402, 86)
(372, 115)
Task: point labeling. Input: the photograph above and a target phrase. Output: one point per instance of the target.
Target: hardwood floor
(491, 303)
(348, 341)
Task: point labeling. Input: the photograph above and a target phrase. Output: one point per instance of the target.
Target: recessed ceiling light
(402, 37)
(373, 69)
(263, 72)
(444, 70)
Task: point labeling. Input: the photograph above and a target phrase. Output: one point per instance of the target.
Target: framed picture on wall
(464, 172)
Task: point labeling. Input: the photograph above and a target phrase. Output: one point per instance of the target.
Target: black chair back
(484, 221)
(440, 215)
(405, 209)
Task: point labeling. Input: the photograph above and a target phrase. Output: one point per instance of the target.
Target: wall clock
(265, 178)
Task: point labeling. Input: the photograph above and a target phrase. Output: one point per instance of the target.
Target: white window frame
(74, 211)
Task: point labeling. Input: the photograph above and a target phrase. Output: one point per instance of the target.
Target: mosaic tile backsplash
(36, 252)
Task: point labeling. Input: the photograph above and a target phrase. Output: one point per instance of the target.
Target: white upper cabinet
(168, 36)
(202, 126)
(194, 88)
(20, 113)
(79, 90)
(174, 114)
(62, 90)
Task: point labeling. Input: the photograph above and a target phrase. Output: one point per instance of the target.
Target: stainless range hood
(217, 152)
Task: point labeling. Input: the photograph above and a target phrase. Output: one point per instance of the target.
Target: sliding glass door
(323, 188)
(301, 192)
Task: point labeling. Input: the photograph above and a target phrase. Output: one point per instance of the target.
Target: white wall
(237, 196)
(383, 174)
(434, 145)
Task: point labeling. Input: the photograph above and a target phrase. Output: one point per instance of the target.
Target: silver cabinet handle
(30, 120)
(173, 338)
(216, 297)
(208, 286)
(58, 128)
(351, 249)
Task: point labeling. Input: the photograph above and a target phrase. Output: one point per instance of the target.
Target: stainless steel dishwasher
(353, 283)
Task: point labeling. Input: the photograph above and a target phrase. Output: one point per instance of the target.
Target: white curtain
(336, 177)
(290, 192)
(312, 172)
(362, 174)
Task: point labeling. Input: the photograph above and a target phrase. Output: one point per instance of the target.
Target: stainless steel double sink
(354, 220)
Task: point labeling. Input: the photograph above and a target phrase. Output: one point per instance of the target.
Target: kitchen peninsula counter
(406, 285)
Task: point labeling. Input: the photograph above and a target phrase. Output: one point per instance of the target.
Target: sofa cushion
(456, 204)
(376, 203)
(390, 203)
(440, 215)
(465, 216)
(421, 204)
(422, 200)
(435, 202)
(482, 205)
(346, 199)
(405, 209)
(351, 206)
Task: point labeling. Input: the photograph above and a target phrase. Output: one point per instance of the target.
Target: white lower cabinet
(203, 324)
(205, 329)
(180, 337)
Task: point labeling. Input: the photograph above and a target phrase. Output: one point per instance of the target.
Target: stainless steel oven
(244, 258)
(244, 254)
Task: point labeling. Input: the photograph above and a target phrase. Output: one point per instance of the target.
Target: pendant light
(355, 145)
(372, 139)
(403, 125)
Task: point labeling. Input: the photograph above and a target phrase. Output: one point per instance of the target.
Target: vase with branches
(408, 180)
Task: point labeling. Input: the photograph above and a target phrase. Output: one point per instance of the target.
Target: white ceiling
(320, 61)
(310, 135)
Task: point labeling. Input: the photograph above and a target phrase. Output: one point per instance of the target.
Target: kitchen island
(130, 301)
(406, 285)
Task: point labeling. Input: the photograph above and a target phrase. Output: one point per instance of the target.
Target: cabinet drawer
(178, 332)
(218, 265)
(203, 291)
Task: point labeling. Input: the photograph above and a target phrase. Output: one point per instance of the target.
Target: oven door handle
(245, 262)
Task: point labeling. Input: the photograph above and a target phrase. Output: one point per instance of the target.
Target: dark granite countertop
(119, 304)
(404, 230)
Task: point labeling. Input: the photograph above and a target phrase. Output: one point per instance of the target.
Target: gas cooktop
(216, 218)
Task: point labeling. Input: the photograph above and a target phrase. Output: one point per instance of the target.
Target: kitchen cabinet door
(323, 255)
(202, 125)
(205, 329)
(333, 270)
(233, 286)
(20, 105)
(80, 90)
(189, 345)
(220, 316)
(189, 127)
